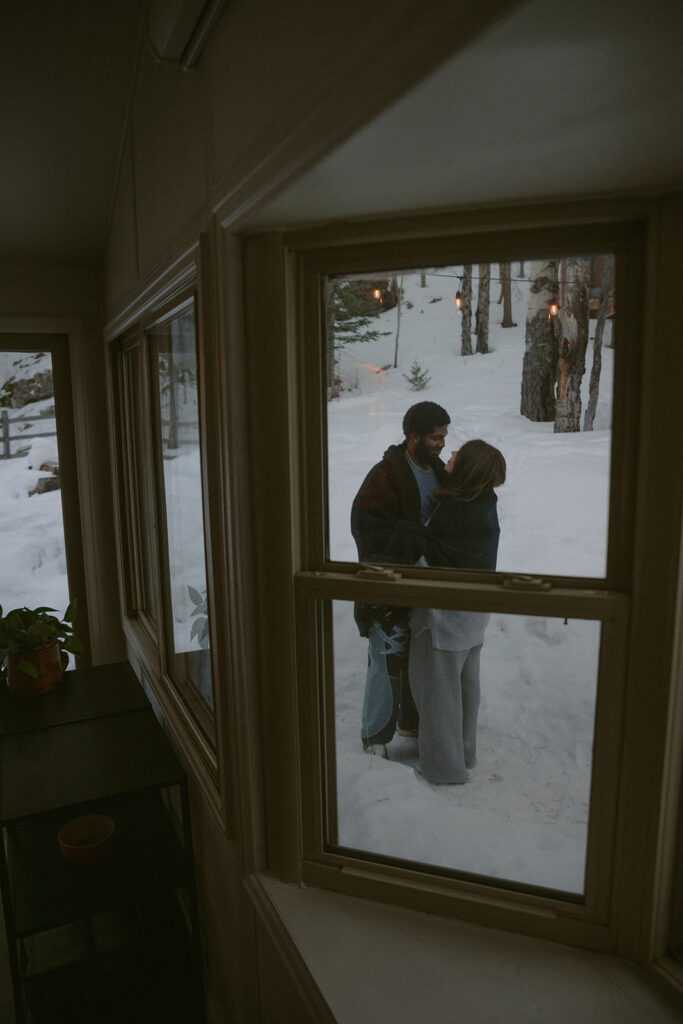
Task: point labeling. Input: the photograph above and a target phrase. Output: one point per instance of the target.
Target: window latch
(526, 583)
(377, 572)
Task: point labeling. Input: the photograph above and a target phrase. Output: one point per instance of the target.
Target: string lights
(553, 311)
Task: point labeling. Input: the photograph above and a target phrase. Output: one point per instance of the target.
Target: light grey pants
(446, 689)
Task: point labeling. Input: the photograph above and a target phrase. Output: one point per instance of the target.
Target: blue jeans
(388, 699)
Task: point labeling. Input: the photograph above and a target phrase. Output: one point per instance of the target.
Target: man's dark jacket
(384, 517)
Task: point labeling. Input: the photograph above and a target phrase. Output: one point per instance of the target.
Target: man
(396, 493)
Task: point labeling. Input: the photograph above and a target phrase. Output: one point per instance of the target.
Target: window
(156, 384)
(41, 558)
(135, 460)
(558, 598)
(174, 353)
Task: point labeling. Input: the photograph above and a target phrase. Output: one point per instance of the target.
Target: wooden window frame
(197, 732)
(57, 344)
(295, 262)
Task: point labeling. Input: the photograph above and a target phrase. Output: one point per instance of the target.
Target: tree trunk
(172, 442)
(331, 352)
(423, 279)
(506, 295)
(594, 387)
(399, 297)
(572, 361)
(541, 344)
(466, 311)
(521, 268)
(483, 307)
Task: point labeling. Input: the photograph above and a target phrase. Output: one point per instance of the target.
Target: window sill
(371, 961)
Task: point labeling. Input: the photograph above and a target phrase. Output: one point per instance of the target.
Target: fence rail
(7, 437)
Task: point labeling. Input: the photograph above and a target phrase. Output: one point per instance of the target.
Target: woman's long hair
(478, 468)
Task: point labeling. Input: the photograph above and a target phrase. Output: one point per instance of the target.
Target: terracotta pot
(48, 664)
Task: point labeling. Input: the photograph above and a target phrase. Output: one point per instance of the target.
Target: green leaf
(28, 668)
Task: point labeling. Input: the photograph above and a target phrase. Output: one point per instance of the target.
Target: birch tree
(466, 311)
(594, 386)
(398, 288)
(571, 364)
(506, 295)
(482, 328)
(541, 343)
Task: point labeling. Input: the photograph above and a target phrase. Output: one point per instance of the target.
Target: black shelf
(106, 943)
(85, 762)
(81, 694)
(144, 978)
(146, 857)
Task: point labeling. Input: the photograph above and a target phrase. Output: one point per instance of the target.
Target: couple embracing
(423, 663)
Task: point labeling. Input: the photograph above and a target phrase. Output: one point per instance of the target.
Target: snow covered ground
(523, 814)
(32, 558)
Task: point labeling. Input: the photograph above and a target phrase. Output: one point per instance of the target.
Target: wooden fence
(6, 437)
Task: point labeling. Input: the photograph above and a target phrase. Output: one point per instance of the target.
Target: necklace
(417, 465)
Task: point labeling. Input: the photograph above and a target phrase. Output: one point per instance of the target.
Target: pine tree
(418, 378)
(348, 320)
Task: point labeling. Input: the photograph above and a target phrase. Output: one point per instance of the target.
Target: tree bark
(331, 352)
(172, 403)
(541, 344)
(399, 296)
(572, 361)
(483, 307)
(466, 311)
(594, 386)
(506, 295)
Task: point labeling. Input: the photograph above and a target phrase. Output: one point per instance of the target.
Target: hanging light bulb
(458, 299)
(554, 310)
(377, 294)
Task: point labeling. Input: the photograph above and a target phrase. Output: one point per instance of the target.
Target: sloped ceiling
(560, 99)
(66, 72)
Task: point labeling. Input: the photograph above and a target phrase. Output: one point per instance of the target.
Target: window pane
(188, 641)
(501, 791)
(141, 472)
(518, 354)
(33, 570)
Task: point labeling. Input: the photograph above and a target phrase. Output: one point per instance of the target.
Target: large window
(157, 389)
(173, 350)
(528, 346)
(41, 555)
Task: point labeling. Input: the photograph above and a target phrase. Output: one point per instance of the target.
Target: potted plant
(33, 647)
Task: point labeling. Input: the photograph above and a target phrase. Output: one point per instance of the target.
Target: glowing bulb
(458, 299)
(377, 293)
(554, 309)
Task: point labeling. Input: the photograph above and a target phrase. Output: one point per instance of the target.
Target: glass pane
(500, 790)
(142, 503)
(33, 569)
(518, 354)
(189, 643)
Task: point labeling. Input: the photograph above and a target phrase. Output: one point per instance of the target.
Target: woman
(462, 533)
